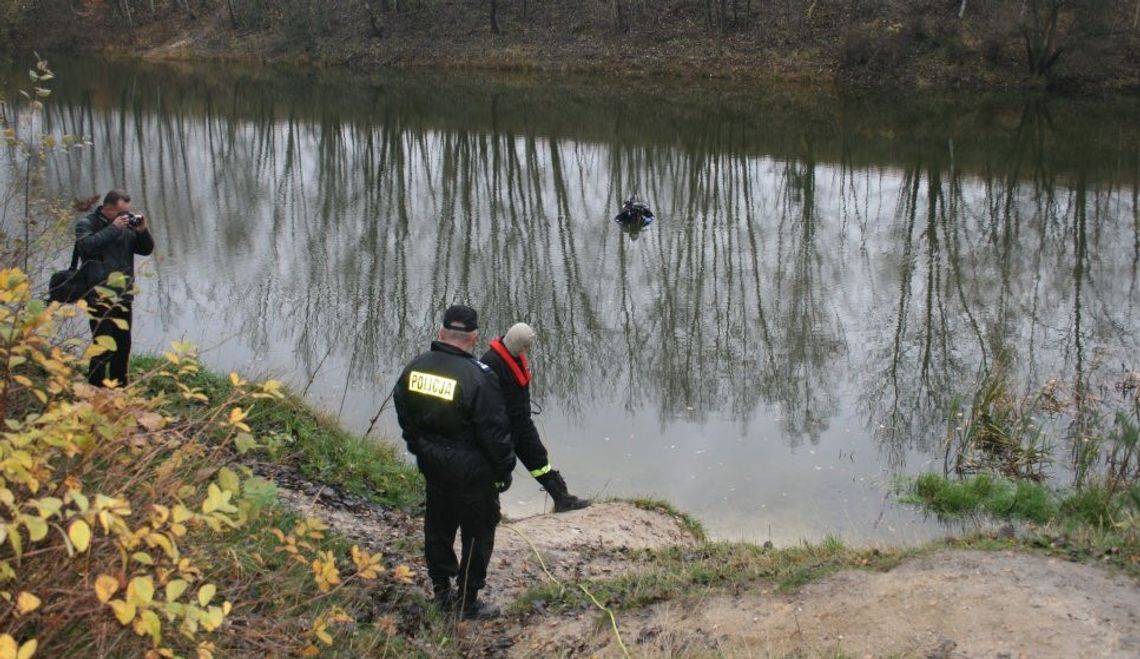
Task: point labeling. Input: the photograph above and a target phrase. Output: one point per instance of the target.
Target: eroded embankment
(952, 603)
(942, 603)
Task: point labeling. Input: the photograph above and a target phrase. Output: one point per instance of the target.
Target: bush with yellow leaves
(128, 526)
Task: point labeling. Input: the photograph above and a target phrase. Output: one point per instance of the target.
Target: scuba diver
(634, 216)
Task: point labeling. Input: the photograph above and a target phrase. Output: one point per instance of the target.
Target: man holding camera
(454, 421)
(107, 241)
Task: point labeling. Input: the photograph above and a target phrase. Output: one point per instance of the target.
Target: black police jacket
(105, 248)
(451, 412)
(514, 379)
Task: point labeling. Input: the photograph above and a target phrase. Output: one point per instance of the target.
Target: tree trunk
(373, 19)
(1040, 33)
(185, 6)
(494, 17)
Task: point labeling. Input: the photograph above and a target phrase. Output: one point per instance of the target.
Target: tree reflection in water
(839, 266)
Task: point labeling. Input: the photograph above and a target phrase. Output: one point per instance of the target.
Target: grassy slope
(296, 435)
(276, 594)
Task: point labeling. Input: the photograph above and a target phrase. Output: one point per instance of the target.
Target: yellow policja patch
(432, 385)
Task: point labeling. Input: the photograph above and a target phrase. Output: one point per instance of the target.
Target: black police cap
(461, 318)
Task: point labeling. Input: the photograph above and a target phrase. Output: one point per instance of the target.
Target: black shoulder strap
(75, 257)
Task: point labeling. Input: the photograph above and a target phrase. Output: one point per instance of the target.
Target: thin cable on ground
(613, 620)
(607, 610)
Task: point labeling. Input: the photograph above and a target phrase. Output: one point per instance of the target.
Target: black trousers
(531, 452)
(475, 514)
(114, 364)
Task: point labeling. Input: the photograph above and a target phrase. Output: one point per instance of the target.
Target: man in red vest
(507, 358)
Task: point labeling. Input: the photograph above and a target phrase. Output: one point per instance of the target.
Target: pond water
(828, 274)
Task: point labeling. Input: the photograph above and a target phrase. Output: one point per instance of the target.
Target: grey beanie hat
(518, 338)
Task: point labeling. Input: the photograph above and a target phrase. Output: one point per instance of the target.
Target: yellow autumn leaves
(112, 502)
(9, 649)
(80, 535)
(139, 607)
(368, 566)
(299, 545)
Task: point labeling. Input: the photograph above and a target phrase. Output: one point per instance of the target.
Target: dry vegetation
(1063, 43)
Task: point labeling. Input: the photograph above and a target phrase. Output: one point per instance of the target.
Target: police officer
(507, 357)
(451, 412)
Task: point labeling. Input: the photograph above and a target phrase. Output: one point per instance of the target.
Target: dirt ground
(948, 604)
(952, 603)
(576, 545)
(572, 546)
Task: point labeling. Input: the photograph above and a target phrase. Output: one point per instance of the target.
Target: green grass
(1093, 505)
(291, 432)
(1089, 522)
(983, 494)
(685, 571)
(1090, 506)
(688, 522)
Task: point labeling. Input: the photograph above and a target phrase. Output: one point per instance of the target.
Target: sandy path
(949, 604)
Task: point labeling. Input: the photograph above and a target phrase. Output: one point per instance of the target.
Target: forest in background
(1060, 44)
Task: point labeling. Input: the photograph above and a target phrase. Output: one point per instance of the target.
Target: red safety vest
(520, 368)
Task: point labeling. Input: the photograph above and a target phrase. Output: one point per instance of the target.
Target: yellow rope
(608, 611)
(613, 620)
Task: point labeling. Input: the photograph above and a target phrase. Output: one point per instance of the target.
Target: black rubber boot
(444, 596)
(477, 609)
(553, 483)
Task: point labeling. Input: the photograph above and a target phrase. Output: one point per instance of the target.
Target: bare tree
(233, 13)
(374, 21)
(619, 16)
(1039, 29)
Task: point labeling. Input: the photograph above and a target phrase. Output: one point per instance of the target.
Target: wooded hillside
(941, 43)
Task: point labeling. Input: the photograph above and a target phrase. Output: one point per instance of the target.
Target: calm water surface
(827, 276)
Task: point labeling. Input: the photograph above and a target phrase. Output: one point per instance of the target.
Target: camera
(134, 221)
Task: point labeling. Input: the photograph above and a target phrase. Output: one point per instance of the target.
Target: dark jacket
(516, 395)
(104, 248)
(451, 411)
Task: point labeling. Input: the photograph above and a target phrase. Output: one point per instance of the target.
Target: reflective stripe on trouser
(541, 471)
